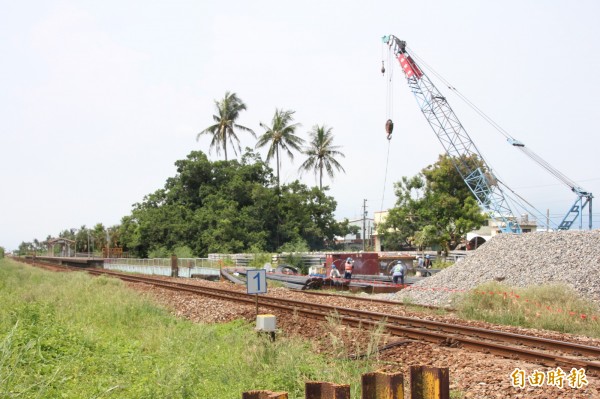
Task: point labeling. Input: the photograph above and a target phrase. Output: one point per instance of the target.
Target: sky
(99, 99)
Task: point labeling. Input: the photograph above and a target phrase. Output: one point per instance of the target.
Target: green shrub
(159, 252)
(260, 259)
(293, 254)
(183, 251)
(441, 264)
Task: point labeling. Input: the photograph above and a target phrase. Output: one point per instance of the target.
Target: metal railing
(165, 262)
(187, 267)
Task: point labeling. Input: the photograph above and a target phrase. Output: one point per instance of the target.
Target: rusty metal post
(429, 383)
(382, 386)
(174, 267)
(264, 395)
(326, 390)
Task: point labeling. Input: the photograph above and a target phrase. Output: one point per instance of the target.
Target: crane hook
(389, 128)
(382, 68)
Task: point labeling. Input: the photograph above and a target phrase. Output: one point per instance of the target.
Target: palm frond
(223, 131)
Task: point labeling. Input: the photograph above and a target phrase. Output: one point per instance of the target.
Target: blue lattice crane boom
(583, 200)
(455, 140)
(459, 146)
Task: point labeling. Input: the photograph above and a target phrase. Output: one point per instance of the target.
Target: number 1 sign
(256, 281)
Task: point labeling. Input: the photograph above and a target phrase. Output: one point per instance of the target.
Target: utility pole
(107, 244)
(364, 220)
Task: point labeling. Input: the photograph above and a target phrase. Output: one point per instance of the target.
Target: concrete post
(174, 267)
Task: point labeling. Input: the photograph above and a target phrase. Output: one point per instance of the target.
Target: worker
(398, 273)
(334, 273)
(348, 266)
(427, 262)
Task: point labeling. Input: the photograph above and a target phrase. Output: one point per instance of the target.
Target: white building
(474, 238)
(354, 242)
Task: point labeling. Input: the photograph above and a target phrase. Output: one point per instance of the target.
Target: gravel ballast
(531, 259)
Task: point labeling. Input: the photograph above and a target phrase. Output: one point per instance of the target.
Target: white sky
(99, 99)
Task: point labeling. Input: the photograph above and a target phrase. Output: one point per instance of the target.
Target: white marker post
(256, 283)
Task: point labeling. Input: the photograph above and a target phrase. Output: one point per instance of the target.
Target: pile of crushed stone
(531, 259)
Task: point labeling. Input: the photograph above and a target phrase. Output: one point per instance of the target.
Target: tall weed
(71, 335)
(551, 307)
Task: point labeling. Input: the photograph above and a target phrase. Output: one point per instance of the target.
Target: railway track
(539, 350)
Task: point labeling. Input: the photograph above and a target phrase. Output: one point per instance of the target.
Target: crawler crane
(480, 179)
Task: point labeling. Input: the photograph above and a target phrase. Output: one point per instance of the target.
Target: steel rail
(411, 327)
(228, 275)
(419, 329)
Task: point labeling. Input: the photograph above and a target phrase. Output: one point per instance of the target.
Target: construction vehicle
(491, 194)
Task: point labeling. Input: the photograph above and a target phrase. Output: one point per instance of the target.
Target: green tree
(83, 240)
(2, 251)
(435, 207)
(322, 153)
(224, 129)
(98, 237)
(403, 220)
(308, 214)
(281, 134)
(208, 207)
(25, 248)
(228, 207)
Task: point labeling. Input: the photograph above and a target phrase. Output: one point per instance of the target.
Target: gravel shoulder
(476, 375)
(532, 259)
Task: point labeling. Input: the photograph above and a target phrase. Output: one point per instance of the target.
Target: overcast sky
(98, 99)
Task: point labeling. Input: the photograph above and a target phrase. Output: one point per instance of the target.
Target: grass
(70, 335)
(549, 307)
(441, 264)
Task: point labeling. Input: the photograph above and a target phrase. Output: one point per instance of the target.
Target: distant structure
(64, 245)
(477, 237)
(474, 238)
(354, 242)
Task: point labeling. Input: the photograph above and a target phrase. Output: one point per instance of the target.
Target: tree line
(234, 206)
(230, 206)
(218, 207)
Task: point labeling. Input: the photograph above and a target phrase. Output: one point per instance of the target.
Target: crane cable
(536, 158)
(531, 209)
(389, 95)
(389, 111)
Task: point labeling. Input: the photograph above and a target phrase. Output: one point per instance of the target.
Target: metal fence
(187, 267)
(243, 260)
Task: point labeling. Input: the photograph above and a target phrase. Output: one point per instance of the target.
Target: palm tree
(281, 134)
(322, 153)
(228, 110)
